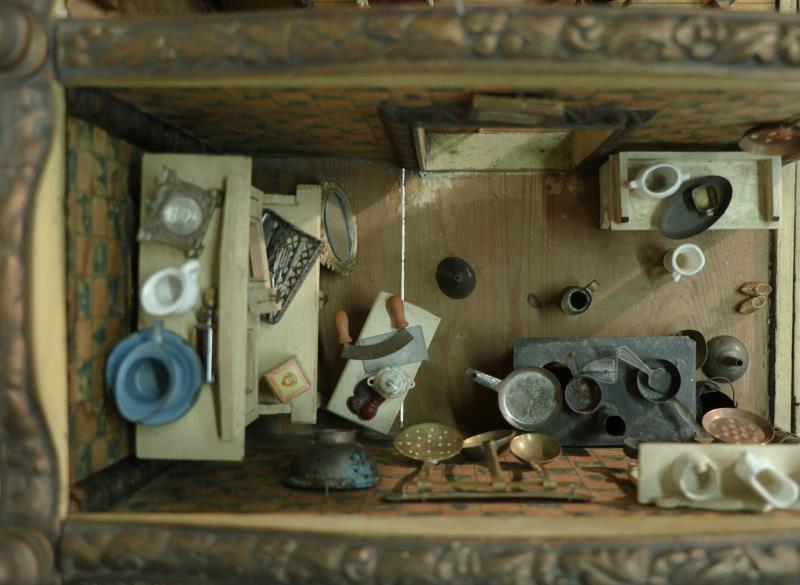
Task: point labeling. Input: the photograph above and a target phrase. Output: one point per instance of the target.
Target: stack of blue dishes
(154, 376)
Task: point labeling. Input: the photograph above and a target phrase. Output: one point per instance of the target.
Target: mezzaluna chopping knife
(398, 339)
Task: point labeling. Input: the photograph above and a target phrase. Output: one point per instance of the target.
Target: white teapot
(390, 383)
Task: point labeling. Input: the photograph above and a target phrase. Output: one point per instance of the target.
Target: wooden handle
(342, 327)
(398, 311)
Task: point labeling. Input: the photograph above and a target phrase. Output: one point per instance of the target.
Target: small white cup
(171, 291)
(767, 481)
(390, 383)
(685, 260)
(658, 181)
(696, 477)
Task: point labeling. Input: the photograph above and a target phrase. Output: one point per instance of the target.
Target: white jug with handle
(658, 181)
(171, 291)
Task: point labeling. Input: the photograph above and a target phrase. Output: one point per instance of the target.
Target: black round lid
(455, 277)
(696, 207)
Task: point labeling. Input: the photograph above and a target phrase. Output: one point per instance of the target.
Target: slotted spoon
(429, 443)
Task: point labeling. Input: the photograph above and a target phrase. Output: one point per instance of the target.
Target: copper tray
(741, 427)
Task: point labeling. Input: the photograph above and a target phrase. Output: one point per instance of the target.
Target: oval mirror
(338, 230)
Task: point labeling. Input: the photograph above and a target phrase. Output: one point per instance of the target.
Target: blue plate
(185, 358)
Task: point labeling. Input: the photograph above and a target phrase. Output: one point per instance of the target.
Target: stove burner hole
(615, 425)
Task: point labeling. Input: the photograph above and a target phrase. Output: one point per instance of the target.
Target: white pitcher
(171, 291)
(658, 181)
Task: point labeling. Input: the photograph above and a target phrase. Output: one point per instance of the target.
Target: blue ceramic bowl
(154, 376)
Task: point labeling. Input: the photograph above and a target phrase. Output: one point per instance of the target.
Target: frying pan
(527, 398)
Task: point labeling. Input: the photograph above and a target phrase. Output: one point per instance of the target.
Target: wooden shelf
(756, 180)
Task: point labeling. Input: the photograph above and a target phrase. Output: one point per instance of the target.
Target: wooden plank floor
(522, 233)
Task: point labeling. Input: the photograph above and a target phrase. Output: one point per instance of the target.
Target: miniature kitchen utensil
(351, 351)
(536, 450)
(390, 383)
(334, 461)
(455, 277)
(205, 334)
(582, 394)
(292, 253)
(696, 207)
(416, 351)
(473, 446)
(658, 181)
(768, 482)
(527, 397)
(696, 476)
(660, 381)
(781, 139)
(493, 496)
(171, 291)
(701, 347)
(163, 389)
(287, 381)
(710, 396)
(738, 426)
(685, 260)
(577, 299)
(604, 370)
(727, 358)
(429, 443)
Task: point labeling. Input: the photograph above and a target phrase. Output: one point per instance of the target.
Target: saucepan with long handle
(528, 397)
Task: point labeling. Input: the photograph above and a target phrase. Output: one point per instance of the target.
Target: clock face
(182, 215)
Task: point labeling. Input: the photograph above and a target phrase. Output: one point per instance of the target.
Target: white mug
(685, 260)
(696, 476)
(390, 383)
(767, 481)
(171, 291)
(658, 181)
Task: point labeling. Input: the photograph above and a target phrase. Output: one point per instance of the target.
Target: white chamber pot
(658, 181)
(171, 291)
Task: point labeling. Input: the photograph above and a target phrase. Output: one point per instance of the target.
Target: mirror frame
(328, 257)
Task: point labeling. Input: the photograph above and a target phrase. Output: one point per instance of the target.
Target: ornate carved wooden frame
(35, 543)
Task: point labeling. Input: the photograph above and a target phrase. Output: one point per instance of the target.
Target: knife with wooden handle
(400, 339)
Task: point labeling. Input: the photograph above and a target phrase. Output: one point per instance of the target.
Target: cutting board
(378, 322)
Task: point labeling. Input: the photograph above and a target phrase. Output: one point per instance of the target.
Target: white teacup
(171, 291)
(658, 181)
(390, 383)
(685, 260)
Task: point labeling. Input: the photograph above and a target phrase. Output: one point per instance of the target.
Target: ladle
(429, 443)
(657, 378)
(536, 450)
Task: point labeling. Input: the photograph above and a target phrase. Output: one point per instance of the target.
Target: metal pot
(334, 461)
(528, 397)
(727, 358)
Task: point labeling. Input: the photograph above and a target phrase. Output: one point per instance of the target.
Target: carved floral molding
(553, 36)
(92, 552)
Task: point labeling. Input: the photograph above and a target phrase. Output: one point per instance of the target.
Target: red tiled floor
(256, 486)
